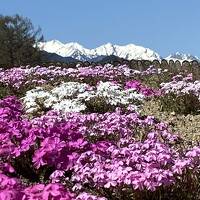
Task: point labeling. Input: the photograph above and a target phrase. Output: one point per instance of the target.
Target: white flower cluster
(116, 95)
(70, 96)
(59, 98)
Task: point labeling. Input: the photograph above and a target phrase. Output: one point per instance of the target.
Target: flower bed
(78, 134)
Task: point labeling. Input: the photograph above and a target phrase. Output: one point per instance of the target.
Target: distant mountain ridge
(78, 52)
(181, 57)
(73, 51)
(53, 57)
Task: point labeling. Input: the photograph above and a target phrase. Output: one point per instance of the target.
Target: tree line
(134, 64)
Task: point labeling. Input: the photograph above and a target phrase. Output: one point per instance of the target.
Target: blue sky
(165, 26)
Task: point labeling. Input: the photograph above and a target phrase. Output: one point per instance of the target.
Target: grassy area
(187, 125)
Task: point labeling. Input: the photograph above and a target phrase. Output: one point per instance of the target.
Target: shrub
(181, 95)
(181, 104)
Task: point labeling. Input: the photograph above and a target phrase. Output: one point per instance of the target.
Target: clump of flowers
(140, 88)
(76, 97)
(114, 155)
(76, 134)
(181, 95)
(19, 80)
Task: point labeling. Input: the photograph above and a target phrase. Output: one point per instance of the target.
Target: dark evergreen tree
(156, 63)
(18, 41)
(147, 63)
(185, 64)
(164, 64)
(133, 64)
(178, 64)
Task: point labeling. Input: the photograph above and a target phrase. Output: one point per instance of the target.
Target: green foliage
(18, 41)
(180, 104)
(98, 105)
(154, 80)
(5, 91)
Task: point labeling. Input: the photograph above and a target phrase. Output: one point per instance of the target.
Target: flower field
(82, 134)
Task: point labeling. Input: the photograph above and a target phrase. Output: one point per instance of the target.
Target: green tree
(18, 41)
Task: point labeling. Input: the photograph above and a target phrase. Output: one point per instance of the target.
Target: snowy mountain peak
(77, 51)
(74, 45)
(108, 44)
(181, 57)
(54, 42)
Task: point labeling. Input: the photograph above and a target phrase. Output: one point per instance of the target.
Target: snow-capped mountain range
(130, 51)
(181, 57)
